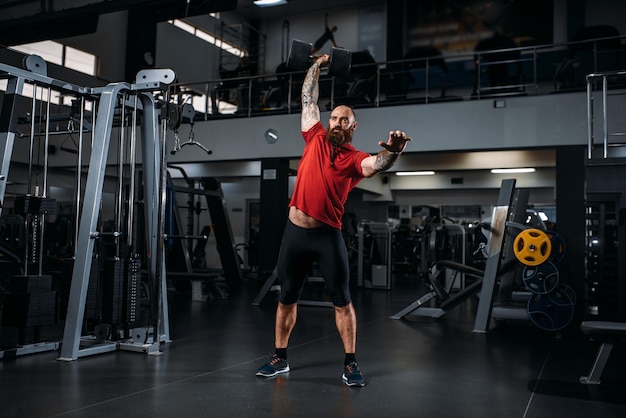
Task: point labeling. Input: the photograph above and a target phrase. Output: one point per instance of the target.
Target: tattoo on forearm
(310, 86)
(385, 160)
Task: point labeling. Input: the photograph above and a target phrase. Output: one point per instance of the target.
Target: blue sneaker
(274, 366)
(352, 375)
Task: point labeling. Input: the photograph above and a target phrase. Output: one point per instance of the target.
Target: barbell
(300, 59)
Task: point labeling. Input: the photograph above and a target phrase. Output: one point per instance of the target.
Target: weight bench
(446, 301)
(608, 333)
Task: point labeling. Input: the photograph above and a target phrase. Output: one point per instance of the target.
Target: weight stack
(113, 291)
(61, 270)
(93, 303)
(30, 302)
(132, 296)
(35, 205)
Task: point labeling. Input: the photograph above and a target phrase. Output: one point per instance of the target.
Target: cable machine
(31, 301)
(110, 259)
(113, 98)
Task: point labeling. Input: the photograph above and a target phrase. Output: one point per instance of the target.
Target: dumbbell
(300, 59)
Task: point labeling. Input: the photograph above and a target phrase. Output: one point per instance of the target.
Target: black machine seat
(604, 330)
(608, 333)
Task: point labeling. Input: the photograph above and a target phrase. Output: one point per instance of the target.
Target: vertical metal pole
(605, 116)
(79, 168)
(426, 80)
(33, 116)
(377, 99)
(478, 76)
(42, 224)
(153, 147)
(249, 104)
(131, 195)
(589, 118)
(290, 85)
(46, 154)
(119, 201)
(8, 127)
(29, 187)
(164, 329)
(495, 246)
(150, 169)
(207, 95)
(535, 82)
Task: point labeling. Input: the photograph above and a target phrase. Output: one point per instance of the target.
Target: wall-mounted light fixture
(415, 173)
(512, 170)
(269, 3)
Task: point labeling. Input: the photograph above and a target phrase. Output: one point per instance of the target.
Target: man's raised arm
(310, 93)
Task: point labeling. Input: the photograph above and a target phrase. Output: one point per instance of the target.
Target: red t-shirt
(322, 189)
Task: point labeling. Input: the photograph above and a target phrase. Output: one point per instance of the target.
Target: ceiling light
(415, 173)
(268, 3)
(512, 170)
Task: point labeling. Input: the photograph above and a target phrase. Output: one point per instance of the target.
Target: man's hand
(386, 158)
(322, 60)
(396, 142)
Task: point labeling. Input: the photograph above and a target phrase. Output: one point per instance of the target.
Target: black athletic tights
(299, 249)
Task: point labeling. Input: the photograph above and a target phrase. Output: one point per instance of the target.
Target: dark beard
(338, 137)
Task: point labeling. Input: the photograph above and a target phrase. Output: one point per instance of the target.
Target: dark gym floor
(413, 368)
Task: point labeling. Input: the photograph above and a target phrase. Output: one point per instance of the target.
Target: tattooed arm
(310, 93)
(386, 158)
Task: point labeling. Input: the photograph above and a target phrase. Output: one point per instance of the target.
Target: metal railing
(612, 144)
(528, 70)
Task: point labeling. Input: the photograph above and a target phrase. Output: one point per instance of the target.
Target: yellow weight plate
(532, 247)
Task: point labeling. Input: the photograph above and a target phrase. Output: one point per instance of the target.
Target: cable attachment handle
(189, 113)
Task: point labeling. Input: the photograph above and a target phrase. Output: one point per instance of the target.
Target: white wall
(200, 64)
(535, 121)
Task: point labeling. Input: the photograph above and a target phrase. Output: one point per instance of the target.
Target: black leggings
(299, 249)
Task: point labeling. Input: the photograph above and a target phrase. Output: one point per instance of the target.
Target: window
(80, 61)
(66, 56)
(208, 37)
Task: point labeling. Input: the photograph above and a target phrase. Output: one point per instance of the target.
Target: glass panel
(48, 50)
(80, 61)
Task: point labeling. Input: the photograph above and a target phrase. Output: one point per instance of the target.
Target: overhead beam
(17, 28)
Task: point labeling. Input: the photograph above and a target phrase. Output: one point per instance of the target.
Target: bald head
(341, 114)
